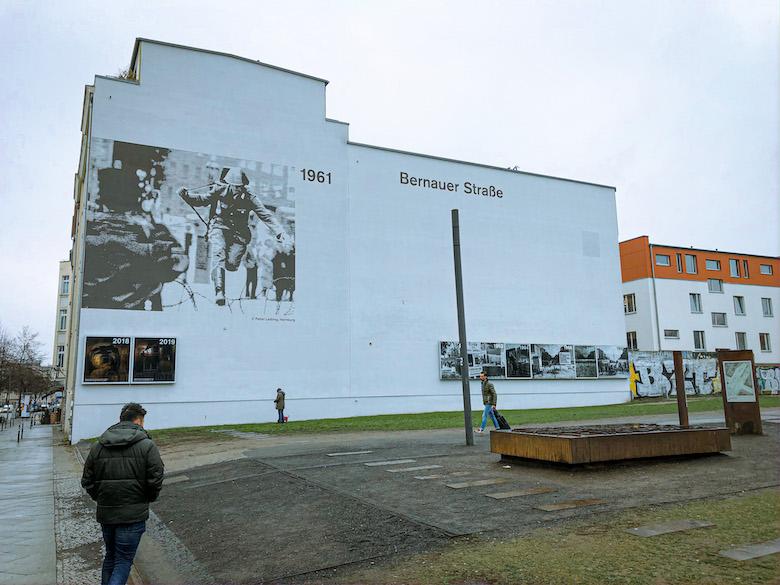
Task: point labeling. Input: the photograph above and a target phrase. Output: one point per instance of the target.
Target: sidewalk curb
(135, 577)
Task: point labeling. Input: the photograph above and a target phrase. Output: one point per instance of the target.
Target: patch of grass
(448, 420)
(601, 553)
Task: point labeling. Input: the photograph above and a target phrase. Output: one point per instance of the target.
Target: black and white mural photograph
(552, 361)
(107, 360)
(585, 361)
(518, 360)
(173, 230)
(487, 357)
(612, 361)
(154, 359)
(534, 361)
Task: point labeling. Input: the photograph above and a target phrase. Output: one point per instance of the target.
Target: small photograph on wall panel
(518, 360)
(154, 359)
(585, 361)
(494, 364)
(107, 360)
(612, 361)
(552, 361)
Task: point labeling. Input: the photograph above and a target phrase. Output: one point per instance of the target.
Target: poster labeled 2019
(107, 360)
(190, 232)
(154, 359)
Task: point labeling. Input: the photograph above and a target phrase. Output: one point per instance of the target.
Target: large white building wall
(541, 265)
(675, 313)
(374, 285)
(643, 320)
(228, 367)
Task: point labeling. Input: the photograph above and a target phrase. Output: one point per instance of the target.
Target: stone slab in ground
(752, 551)
(569, 504)
(521, 493)
(668, 527)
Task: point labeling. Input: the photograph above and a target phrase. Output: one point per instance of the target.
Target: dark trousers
(251, 282)
(121, 543)
(281, 415)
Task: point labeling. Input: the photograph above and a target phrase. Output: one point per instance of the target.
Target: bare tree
(20, 365)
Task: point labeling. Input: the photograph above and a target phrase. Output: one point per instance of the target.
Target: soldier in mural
(130, 255)
(230, 201)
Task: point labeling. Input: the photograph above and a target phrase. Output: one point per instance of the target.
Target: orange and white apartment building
(692, 299)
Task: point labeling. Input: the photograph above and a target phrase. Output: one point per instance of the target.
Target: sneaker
(479, 431)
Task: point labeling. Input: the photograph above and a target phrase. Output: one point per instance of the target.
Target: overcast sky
(674, 103)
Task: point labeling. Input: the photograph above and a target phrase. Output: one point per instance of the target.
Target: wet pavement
(27, 545)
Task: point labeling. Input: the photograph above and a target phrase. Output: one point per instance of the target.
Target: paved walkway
(27, 549)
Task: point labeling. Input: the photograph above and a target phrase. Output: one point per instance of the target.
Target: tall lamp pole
(464, 356)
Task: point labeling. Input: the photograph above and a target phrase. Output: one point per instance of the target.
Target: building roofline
(702, 249)
(475, 164)
(140, 40)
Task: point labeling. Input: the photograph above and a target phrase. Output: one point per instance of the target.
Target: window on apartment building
(719, 320)
(65, 285)
(766, 307)
(631, 340)
(63, 319)
(672, 333)
(712, 264)
(663, 260)
(60, 356)
(766, 344)
(734, 267)
(695, 302)
(690, 264)
(745, 269)
(765, 269)
(741, 340)
(698, 340)
(715, 285)
(678, 257)
(629, 303)
(739, 305)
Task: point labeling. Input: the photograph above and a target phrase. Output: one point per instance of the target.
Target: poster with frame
(107, 360)
(585, 361)
(154, 360)
(612, 361)
(738, 381)
(552, 361)
(487, 357)
(518, 360)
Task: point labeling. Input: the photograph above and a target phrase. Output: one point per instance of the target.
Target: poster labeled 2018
(107, 360)
(154, 359)
(174, 230)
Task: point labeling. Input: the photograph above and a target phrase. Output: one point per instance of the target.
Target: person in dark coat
(123, 473)
(279, 402)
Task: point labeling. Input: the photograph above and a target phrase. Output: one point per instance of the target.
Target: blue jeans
(121, 543)
(281, 415)
(488, 411)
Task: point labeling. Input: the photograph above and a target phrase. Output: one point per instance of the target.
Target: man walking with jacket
(123, 473)
(489, 400)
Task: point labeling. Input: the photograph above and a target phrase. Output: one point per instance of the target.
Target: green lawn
(598, 551)
(446, 420)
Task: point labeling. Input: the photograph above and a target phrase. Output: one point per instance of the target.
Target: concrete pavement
(27, 547)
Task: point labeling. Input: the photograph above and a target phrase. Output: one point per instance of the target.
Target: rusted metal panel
(577, 445)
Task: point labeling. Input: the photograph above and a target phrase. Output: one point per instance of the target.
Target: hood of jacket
(123, 434)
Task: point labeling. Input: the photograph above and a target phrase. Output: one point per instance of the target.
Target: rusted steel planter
(592, 444)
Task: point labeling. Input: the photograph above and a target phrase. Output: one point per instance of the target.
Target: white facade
(374, 290)
(670, 300)
(59, 351)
